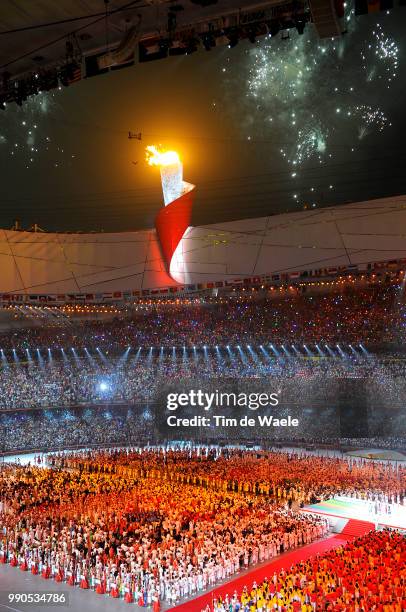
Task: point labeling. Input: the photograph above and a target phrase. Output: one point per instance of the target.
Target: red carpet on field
(266, 571)
(356, 529)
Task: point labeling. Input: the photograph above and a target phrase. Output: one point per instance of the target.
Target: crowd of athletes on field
(365, 574)
(157, 526)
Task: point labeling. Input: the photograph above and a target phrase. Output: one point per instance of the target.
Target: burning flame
(158, 157)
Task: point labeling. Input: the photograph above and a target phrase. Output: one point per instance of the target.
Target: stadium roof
(34, 34)
(109, 265)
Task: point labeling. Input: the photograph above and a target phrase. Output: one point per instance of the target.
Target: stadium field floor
(358, 509)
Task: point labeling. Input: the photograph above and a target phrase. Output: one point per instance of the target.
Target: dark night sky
(191, 105)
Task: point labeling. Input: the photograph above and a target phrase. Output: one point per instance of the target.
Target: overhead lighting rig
(226, 30)
(185, 39)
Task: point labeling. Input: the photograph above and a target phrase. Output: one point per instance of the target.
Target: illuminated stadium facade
(174, 257)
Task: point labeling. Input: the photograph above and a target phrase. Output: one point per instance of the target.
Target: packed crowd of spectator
(366, 574)
(372, 313)
(90, 400)
(111, 363)
(47, 430)
(138, 378)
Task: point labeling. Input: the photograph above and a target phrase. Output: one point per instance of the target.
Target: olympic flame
(171, 169)
(158, 157)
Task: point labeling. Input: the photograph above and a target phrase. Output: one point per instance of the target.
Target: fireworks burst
(311, 142)
(284, 77)
(315, 98)
(381, 57)
(281, 77)
(370, 119)
(22, 136)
